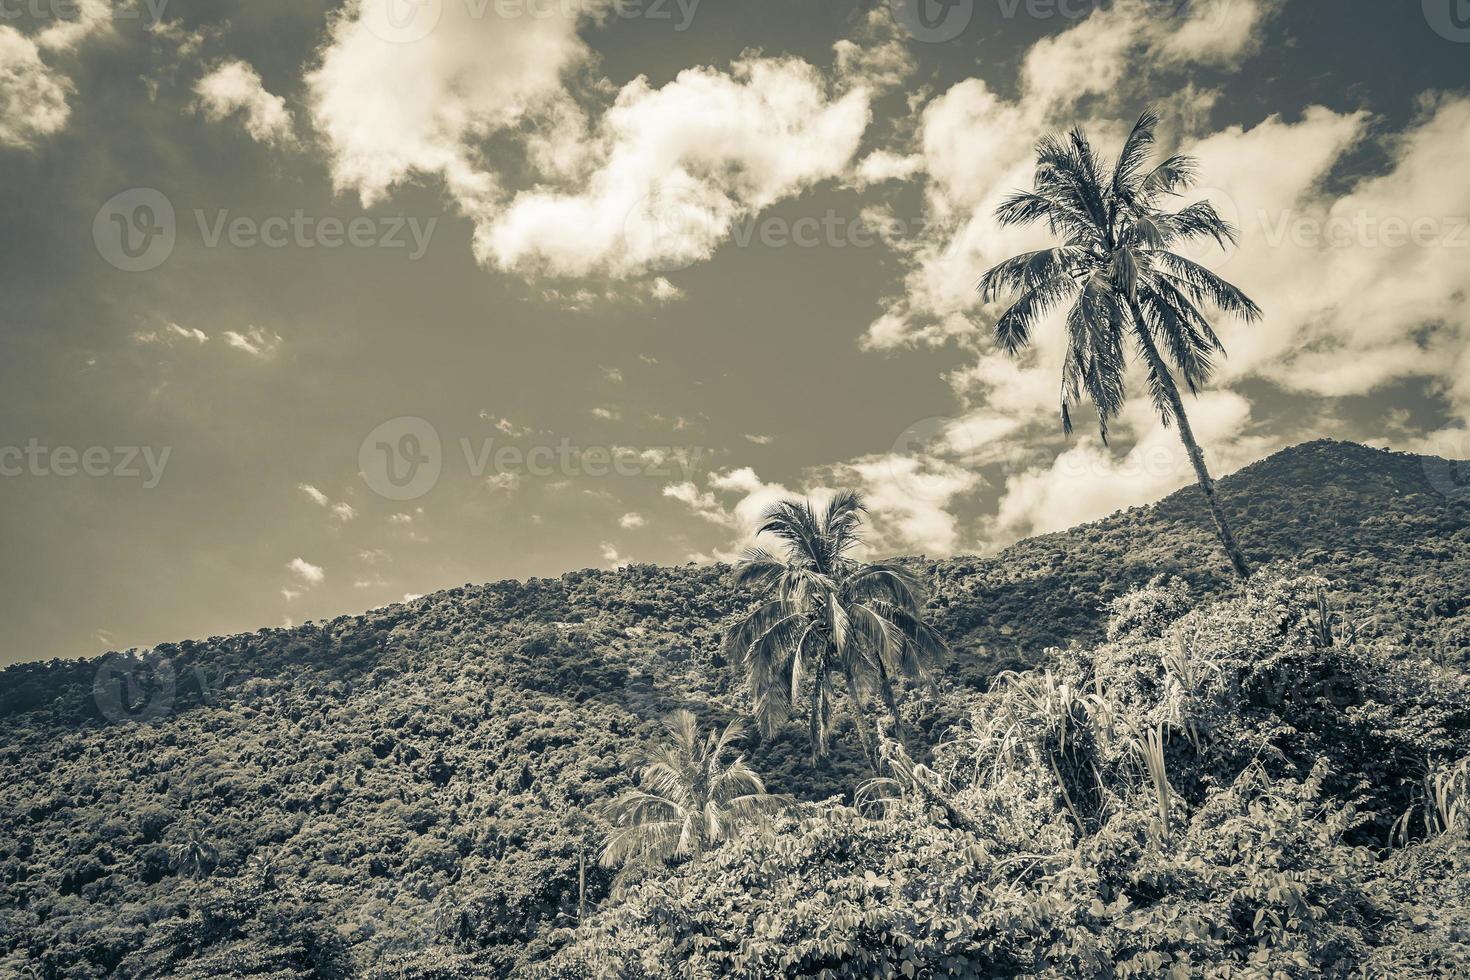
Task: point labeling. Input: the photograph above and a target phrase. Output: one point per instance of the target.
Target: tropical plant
(1117, 268)
(828, 615)
(689, 796)
(194, 855)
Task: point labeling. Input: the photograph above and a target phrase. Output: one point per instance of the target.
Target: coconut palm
(689, 796)
(194, 855)
(1117, 269)
(828, 616)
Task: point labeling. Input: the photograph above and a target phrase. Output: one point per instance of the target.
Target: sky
(312, 307)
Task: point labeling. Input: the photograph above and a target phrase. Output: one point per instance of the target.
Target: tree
(689, 797)
(194, 855)
(826, 616)
(1116, 269)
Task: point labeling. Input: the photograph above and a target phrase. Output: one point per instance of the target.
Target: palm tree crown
(827, 615)
(1117, 269)
(689, 797)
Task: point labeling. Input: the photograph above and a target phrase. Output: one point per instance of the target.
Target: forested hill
(433, 769)
(1392, 530)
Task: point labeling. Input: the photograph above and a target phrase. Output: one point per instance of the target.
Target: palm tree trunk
(890, 701)
(1186, 436)
(818, 721)
(860, 718)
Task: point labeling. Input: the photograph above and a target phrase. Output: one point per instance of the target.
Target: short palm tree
(194, 855)
(689, 796)
(1116, 268)
(827, 615)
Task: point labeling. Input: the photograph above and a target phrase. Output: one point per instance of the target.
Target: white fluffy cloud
(398, 100)
(611, 183)
(908, 498)
(235, 87)
(307, 573)
(1088, 480)
(33, 94)
(1361, 286)
(675, 167)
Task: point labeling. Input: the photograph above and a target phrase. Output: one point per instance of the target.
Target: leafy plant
(690, 797)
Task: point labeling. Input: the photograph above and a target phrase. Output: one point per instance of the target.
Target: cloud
(610, 554)
(760, 440)
(884, 165)
(306, 572)
(413, 99)
(235, 88)
(907, 497)
(342, 511)
(505, 482)
(631, 520)
(1088, 481)
(170, 334)
(255, 342)
(670, 170)
(33, 95)
(1361, 285)
(316, 496)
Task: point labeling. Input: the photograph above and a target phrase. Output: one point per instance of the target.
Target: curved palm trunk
(1186, 435)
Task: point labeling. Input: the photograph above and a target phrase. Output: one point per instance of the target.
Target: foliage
(409, 792)
(689, 797)
(827, 616)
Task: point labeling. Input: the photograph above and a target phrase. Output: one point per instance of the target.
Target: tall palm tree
(827, 615)
(689, 796)
(1116, 269)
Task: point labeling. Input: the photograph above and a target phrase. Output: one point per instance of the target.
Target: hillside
(419, 783)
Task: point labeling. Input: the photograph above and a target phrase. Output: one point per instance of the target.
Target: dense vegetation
(421, 791)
